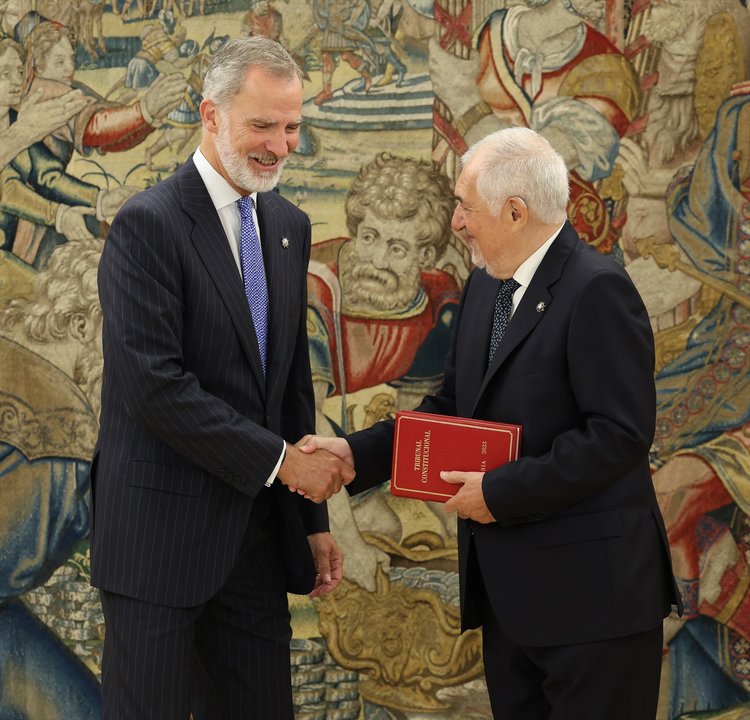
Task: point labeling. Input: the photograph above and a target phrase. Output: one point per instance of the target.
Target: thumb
(308, 444)
(324, 569)
(452, 476)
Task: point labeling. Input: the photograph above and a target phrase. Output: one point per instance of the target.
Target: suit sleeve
(609, 359)
(141, 291)
(373, 447)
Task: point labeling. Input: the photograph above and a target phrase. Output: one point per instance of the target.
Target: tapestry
(648, 101)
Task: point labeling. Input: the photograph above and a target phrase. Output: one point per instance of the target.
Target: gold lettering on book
(418, 455)
(425, 455)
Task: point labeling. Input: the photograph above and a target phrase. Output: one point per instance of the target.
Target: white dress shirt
(225, 197)
(528, 267)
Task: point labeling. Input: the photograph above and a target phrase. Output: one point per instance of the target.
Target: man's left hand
(468, 502)
(329, 562)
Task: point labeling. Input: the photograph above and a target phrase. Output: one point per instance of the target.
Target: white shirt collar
(528, 267)
(220, 191)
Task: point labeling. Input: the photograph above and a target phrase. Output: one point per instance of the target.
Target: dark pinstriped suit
(190, 430)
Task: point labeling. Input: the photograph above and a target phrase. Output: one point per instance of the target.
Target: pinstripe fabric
(190, 430)
(216, 659)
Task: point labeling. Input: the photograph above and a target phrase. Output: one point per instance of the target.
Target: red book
(424, 445)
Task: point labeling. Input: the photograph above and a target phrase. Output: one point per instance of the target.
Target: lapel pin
(284, 243)
(540, 307)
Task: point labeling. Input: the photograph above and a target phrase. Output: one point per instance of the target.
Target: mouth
(264, 163)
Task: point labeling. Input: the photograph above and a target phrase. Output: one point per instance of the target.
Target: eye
(398, 251)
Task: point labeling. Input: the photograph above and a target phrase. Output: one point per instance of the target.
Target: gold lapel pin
(540, 307)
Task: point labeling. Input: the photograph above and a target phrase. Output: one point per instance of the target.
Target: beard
(592, 10)
(477, 258)
(672, 126)
(366, 287)
(238, 170)
(668, 21)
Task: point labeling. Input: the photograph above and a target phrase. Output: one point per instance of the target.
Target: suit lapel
(535, 302)
(209, 239)
(281, 278)
(474, 347)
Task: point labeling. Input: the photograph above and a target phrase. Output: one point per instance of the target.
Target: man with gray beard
(394, 307)
(206, 377)
(49, 391)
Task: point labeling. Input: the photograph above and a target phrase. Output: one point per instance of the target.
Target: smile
(266, 163)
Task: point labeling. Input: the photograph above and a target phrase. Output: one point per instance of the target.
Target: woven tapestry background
(650, 100)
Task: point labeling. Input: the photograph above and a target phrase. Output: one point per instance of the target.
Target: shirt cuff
(275, 471)
(61, 208)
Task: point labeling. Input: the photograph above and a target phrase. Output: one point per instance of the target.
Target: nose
(282, 143)
(458, 221)
(379, 255)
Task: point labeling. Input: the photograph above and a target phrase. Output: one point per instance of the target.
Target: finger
(32, 98)
(451, 505)
(316, 591)
(453, 476)
(347, 474)
(309, 444)
(324, 568)
(337, 568)
(321, 589)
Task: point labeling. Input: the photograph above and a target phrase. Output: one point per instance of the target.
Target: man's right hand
(163, 96)
(336, 445)
(110, 201)
(316, 473)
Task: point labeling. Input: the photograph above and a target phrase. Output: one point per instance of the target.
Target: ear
(427, 256)
(209, 115)
(81, 327)
(518, 211)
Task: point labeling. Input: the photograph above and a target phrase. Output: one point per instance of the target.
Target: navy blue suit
(578, 553)
(190, 428)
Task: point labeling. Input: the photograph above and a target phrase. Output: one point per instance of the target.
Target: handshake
(316, 467)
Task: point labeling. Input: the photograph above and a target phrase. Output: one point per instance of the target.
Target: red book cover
(424, 445)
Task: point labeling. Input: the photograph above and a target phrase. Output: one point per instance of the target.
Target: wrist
(61, 210)
(147, 116)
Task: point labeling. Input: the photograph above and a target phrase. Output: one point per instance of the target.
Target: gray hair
(66, 289)
(225, 77)
(518, 162)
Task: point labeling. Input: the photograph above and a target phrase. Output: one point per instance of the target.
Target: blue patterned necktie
(503, 306)
(253, 275)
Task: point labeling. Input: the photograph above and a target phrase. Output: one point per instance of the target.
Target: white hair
(518, 162)
(226, 74)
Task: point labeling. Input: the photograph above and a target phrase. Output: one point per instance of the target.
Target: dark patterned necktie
(503, 306)
(253, 275)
